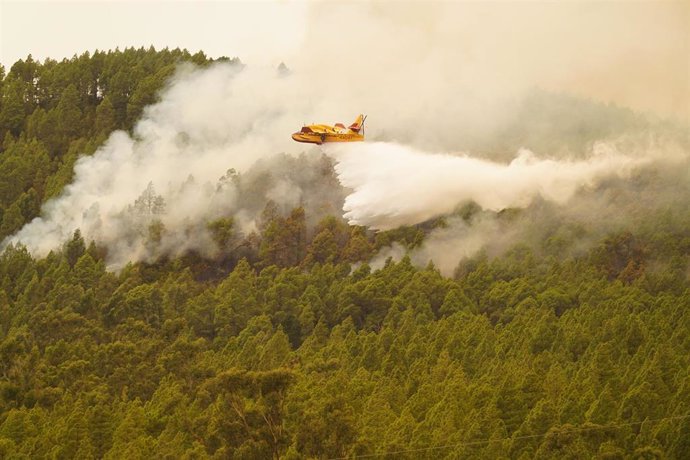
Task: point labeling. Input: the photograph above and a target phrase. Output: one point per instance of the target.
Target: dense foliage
(289, 345)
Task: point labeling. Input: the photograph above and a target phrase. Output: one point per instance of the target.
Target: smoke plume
(396, 185)
(466, 102)
(179, 171)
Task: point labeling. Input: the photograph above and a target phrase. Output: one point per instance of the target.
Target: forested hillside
(290, 342)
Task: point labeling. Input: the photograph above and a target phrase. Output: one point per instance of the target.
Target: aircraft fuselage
(321, 138)
(320, 134)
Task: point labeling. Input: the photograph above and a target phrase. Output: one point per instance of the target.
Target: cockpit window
(306, 129)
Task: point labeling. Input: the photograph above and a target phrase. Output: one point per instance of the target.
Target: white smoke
(207, 122)
(393, 185)
(397, 185)
(449, 244)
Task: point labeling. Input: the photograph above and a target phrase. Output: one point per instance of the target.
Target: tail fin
(359, 122)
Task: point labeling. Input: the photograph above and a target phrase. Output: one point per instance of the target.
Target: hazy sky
(252, 30)
(633, 53)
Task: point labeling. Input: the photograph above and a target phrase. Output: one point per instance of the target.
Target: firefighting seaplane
(319, 134)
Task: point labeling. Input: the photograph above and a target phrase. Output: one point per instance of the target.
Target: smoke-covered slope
(179, 170)
(453, 119)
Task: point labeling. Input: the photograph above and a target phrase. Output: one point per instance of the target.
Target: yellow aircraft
(318, 134)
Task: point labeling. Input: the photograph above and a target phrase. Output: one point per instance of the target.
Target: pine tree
(105, 117)
(12, 220)
(75, 248)
(12, 106)
(69, 115)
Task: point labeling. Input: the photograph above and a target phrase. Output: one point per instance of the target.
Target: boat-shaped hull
(322, 138)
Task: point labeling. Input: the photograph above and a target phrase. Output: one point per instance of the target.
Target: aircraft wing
(325, 129)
